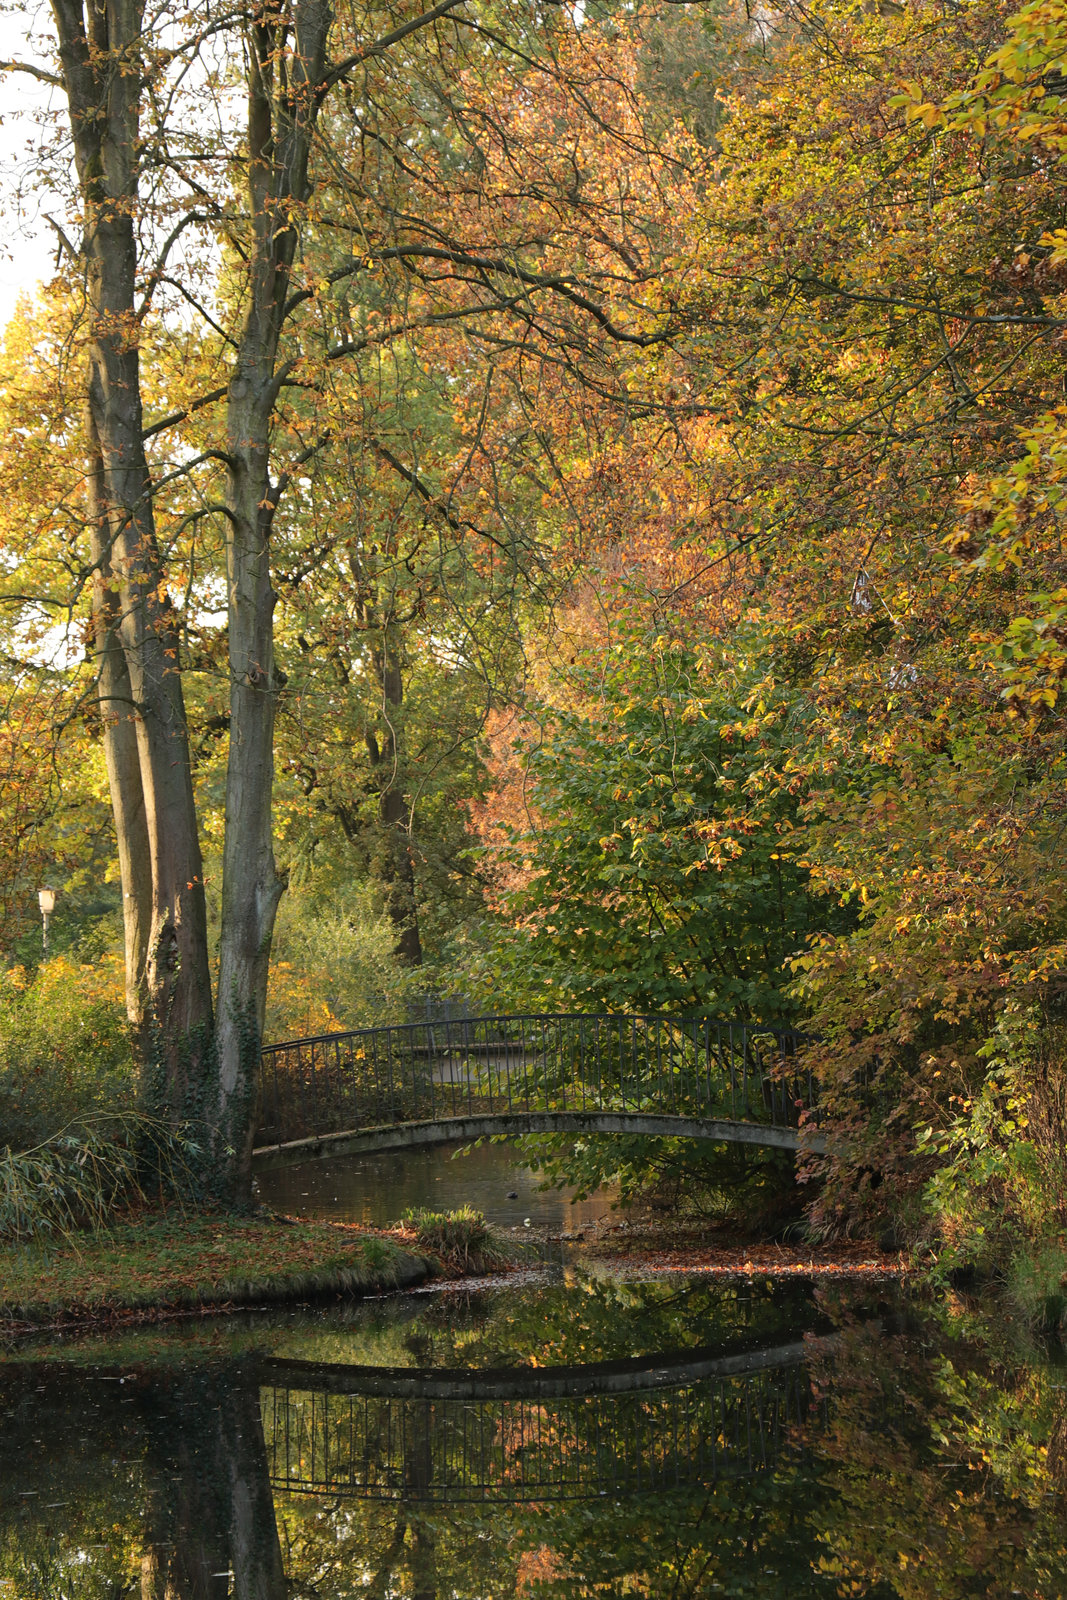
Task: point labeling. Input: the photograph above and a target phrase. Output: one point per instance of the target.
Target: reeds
(78, 1179)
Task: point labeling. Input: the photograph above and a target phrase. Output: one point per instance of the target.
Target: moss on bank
(167, 1263)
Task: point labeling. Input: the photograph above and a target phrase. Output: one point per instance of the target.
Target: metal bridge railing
(431, 1071)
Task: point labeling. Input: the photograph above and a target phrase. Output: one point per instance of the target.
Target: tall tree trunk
(394, 812)
(115, 700)
(283, 103)
(255, 1550)
(99, 51)
(418, 1476)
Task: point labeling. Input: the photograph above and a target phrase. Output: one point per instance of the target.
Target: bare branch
(32, 72)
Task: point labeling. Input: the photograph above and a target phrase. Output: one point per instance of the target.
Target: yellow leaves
(1056, 243)
(927, 115)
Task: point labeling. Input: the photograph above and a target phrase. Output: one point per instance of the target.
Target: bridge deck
(453, 1130)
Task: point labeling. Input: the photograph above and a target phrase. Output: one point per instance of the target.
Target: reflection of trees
(210, 1512)
(172, 1472)
(585, 1319)
(943, 1471)
(931, 1476)
(750, 1536)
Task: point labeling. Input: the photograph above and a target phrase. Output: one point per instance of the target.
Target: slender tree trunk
(423, 1560)
(418, 1476)
(115, 700)
(282, 106)
(255, 1550)
(251, 886)
(394, 812)
(99, 51)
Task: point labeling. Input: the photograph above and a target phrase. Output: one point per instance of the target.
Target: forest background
(653, 595)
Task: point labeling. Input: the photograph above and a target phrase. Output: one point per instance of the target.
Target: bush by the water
(64, 1048)
(462, 1238)
(998, 1199)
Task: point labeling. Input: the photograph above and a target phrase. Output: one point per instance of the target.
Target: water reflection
(375, 1190)
(513, 1435)
(589, 1440)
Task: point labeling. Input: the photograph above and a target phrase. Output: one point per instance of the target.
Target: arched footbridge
(508, 1435)
(381, 1089)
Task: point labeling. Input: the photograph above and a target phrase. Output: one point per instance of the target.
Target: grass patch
(168, 1262)
(462, 1239)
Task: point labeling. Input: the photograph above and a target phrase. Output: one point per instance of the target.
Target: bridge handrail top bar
(748, 1026)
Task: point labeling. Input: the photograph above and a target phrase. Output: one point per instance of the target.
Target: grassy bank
(172, 1262)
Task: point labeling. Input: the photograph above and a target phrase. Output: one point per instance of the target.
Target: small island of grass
(174, 1261)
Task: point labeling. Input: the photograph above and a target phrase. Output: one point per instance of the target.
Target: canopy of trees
(581, 490)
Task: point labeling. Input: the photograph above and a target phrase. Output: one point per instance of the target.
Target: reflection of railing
(374, 1435)
(680, 1067)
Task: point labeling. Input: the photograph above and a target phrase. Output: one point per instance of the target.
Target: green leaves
(661, 875)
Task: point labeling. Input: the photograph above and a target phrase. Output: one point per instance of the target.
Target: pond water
(574, 1436)
(377, 1189)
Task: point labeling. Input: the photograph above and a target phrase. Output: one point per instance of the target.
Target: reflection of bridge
(630, 1427)
(431, 1083)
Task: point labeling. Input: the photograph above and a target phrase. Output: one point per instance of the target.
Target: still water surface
(573, 1436)
(376, 1190)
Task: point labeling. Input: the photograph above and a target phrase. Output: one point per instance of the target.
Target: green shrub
(65, 1049)
(998, 1200)
(659, 872)
(333, 965)
(462, 1238)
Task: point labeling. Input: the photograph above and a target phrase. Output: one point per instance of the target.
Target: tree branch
(386, 42)
(33, 72)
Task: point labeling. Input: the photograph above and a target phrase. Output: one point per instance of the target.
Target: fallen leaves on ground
(185, 1260)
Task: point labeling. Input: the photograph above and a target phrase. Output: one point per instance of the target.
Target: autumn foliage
(665, 491)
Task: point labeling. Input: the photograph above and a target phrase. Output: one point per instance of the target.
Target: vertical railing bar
(301, 1088)
(467, 1075)
(487, 1056)
(313, 1091)
(729, 1050)
(744, 1071)
(709, 1101)
(391, 1058)
(288, 1448)
(733, 1071)
(639, 1094)
(381, 1067)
